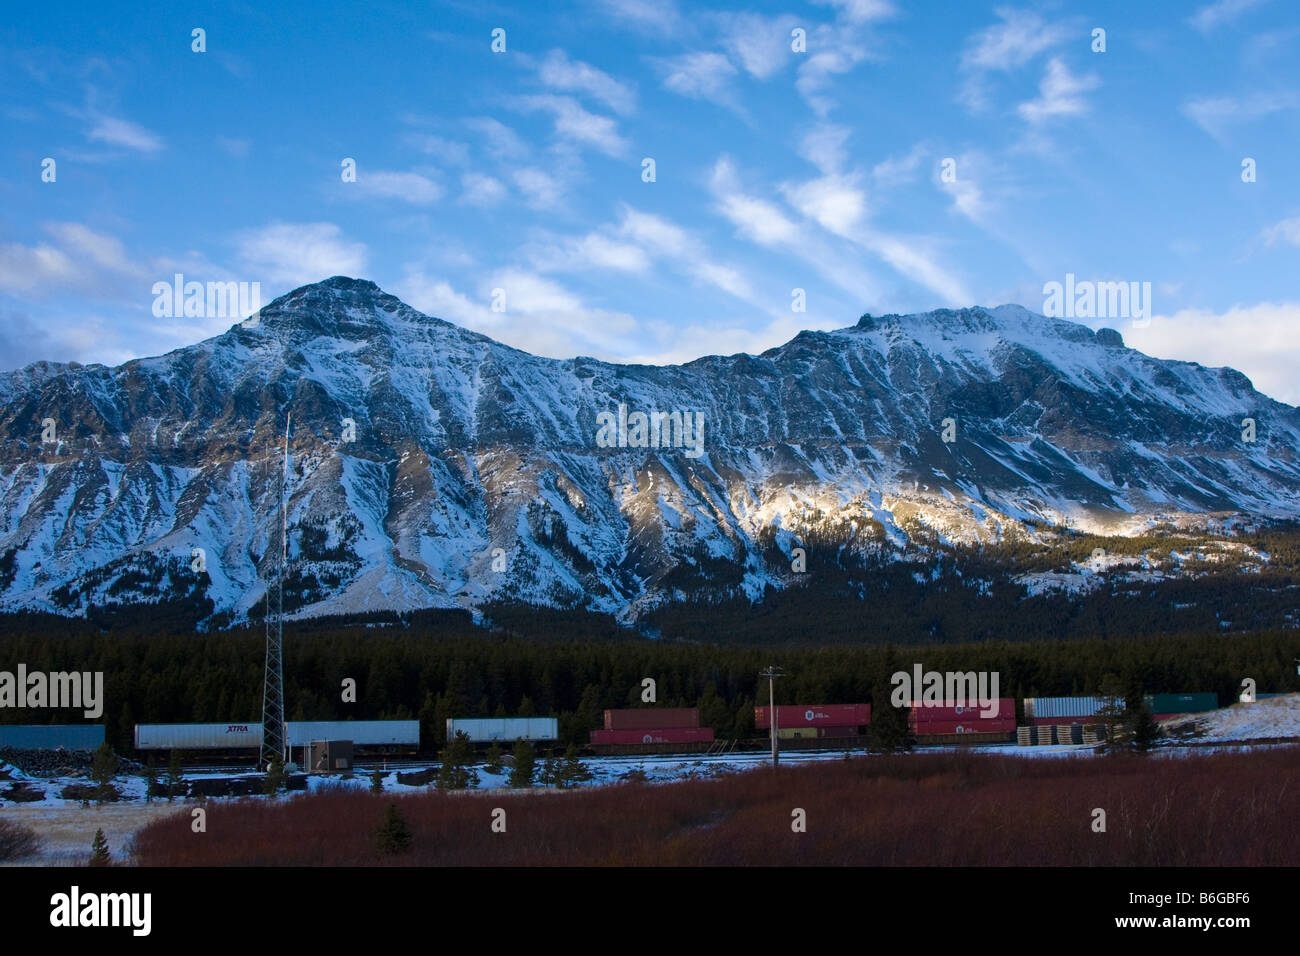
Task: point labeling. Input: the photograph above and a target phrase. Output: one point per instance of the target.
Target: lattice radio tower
(273, 735)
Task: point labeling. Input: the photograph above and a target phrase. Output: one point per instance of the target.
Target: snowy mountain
(434, 467)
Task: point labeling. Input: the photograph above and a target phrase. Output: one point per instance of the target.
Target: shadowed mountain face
(433, 467)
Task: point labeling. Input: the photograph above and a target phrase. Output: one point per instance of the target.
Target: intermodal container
(1036, 707)
(51, 736)
(503, 728)
(652, 718)
(1001, 725)
(1182, 703)
(362, 733)
(1076, 719)
(198, 736)
(661, 735)
(1003, 708)
(814, 715)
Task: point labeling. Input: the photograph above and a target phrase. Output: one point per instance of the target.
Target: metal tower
(273, 733)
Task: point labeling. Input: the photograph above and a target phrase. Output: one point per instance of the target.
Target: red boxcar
(814, 715)
(998, 726)
(652, 718)
(662, 735)
(1006, 707)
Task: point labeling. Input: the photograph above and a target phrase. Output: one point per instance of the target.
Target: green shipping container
(1181, 703)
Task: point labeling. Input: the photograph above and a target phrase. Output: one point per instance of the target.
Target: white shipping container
(363, 733)
(197, 736)
(504, 728)
(1065, 706)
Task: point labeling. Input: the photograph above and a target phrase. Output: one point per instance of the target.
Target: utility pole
(771, 674)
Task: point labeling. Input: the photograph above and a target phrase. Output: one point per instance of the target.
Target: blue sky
(775, 169)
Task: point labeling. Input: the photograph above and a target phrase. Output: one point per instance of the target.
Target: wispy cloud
(575, 125)
(1220, 12)
(1059, 94)
(1216, 114)
(700, 75)
(392, 184)
(119, 132)
(570, 76)
(298, 253)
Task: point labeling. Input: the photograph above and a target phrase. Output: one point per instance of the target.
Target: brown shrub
(912, 810)
(17, 841)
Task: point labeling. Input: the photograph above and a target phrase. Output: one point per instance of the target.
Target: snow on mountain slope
(476, 473)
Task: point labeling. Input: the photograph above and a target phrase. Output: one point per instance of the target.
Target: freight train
(236, 740)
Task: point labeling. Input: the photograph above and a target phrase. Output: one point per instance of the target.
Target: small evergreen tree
(274, 776)
(457, 772)
(175, 782)
(1145, 730)
(572, 771)
(521, 774)
(150, 780)
(550, 775)
(377, 781)
(99, 855)
(494, 756)
(393, 835)
(102, 771)
(889, 730)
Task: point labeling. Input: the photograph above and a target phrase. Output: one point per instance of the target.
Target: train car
(666, 735)
(52, 736)
(814, 715)
(652, 718)
(510, 729)
(375, 736)
(234, 736)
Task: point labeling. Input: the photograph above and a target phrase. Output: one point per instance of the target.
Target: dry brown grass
(920, 810)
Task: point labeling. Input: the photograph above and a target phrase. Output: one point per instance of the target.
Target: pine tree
(99, 855)
(1145, 730)
(102, 771)
(150, 780)
(492, 762)
(889, 730)
(175, 782)
(456, 772)
(393, 835)
(274, 776)
(572, 771)
(377, 781)
(521, 774)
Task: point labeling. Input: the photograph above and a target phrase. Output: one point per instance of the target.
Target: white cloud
(559, 72)
(1288, 230)
(595, 250)
(1060, 93)
(120, 132)
(834, 202)
(541, 190)
(576, 125)
(1220, 12)
(761, 45)
(1259, 340)
(479, 189)
(861, 11)
(411, 187)
(897, 170)
(1020, 37)
(833, 51)
(659, 16)
(1216, 114)
(299, 253)
(754, 218)
(449, 151)
(701, 76)
(503, 143)
(824, 147)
